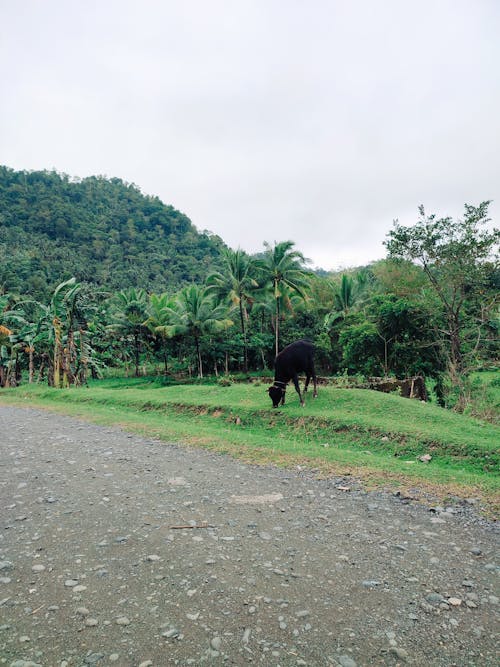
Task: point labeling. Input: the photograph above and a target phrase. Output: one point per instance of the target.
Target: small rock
(146, 663)
(370, 583)
(38, 568)
(70, 583)
(216, 643)
(122, 620)
(169, 634)
(153, 558)
(346, 661)
(79, 588)
(91, 622)
(114, 657)
(455, 602)
(400, 653)
(82, 611)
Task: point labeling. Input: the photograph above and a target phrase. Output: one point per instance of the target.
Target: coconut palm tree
(344, 296)
(236, 283)
(160, 320)
(197, 313)
(282, 270)
(129, 313)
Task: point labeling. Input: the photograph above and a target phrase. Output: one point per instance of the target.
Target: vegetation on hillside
(98, 230)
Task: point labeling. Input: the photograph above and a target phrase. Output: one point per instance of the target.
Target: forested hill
(100, 230)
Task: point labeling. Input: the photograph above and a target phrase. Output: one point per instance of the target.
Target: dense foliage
(430, 308)
(98, 230)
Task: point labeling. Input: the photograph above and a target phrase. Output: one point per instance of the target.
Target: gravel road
(122, 550)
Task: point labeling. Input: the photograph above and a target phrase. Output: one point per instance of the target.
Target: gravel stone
(346, 661)
(122, 620)
(70, 583)
(38, 568)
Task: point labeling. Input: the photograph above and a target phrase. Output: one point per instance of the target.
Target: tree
(129, 314)
(344, 295)
(236, 283)
(197, 313)
(281, 270)
(29, 335)
(160, 319)
(456, 258)
(362, 350)
(405, 328)
(5, 343)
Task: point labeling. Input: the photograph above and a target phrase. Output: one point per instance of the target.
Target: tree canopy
(99, 230)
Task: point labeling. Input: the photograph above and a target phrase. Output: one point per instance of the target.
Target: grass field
(378, 438)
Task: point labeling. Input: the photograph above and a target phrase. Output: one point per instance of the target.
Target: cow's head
(276, 394)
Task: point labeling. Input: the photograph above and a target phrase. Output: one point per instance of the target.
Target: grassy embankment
(376, 437)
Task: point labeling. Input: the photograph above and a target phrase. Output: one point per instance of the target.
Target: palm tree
(344, 296)
(236, 283)
(160, 320)
(196, 313)
(129, 313)
(282, 270)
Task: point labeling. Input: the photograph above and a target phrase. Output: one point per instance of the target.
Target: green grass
(485, 396)
(377, 437)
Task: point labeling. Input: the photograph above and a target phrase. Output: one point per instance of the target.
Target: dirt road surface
(121, 550)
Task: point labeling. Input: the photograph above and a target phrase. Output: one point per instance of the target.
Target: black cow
(295, 358)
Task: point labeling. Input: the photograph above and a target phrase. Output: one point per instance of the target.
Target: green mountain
(101, 230)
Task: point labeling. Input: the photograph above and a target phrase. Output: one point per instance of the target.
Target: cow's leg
(283, 397)
(313, 373)
(308, 377)
(297, 388)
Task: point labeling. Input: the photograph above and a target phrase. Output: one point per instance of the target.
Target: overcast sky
(263, 120)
